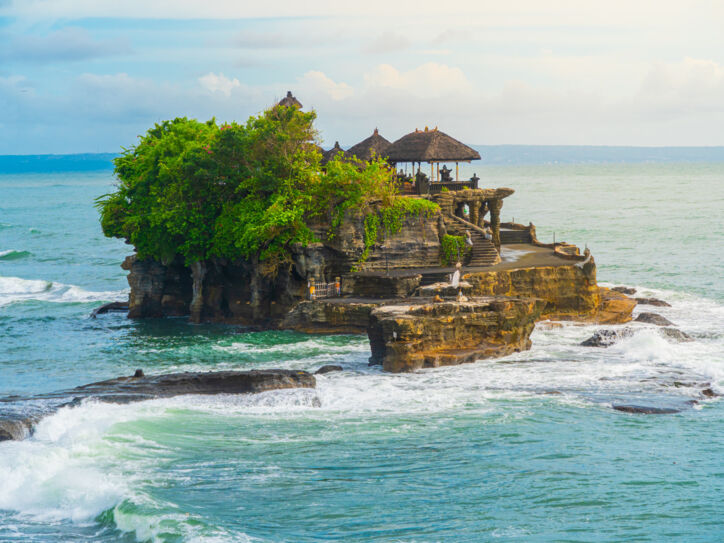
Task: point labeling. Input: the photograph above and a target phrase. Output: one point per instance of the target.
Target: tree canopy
(201, 190)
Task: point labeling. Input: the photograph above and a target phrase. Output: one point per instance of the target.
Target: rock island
(254, 224)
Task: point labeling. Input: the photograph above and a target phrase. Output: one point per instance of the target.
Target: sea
(522, 448)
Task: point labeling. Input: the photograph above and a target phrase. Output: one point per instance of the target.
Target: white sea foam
(16, 289)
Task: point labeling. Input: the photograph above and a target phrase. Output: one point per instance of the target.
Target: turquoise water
(526, 448)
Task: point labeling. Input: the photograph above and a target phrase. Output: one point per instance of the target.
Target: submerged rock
(420, 334)
(646, 410)
(676, 334)
(654, 318)
(652, 301)
(143, 387)
(709, 393)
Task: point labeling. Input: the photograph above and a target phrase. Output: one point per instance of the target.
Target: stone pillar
(474, 209)
(495, 206)
(198, 271)
(481, 213)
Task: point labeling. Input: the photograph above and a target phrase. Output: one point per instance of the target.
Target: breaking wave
(16, 289)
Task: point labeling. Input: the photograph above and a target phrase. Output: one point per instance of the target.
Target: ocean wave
(12, 254)
(16, 289)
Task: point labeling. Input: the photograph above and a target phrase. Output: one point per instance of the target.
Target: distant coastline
(82, 162)
(492, 155)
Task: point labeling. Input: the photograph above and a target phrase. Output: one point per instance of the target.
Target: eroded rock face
(409, 336)
(242, 292)
(615, 308)
(569, 291)
(331, 316)
(157, 290)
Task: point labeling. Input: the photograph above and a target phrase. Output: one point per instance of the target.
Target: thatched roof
(329, 155)
(374, 144)
(430, 146)
(289, 100)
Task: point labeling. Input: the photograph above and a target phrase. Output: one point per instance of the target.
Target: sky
(91, 75)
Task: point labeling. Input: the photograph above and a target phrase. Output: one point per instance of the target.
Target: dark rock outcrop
(607, 336)
(652, 301)
(145, 387)
(109, 307)
(126, 389)
(709, 393)
(421, 334)
(329, 368)
(653, 318)
(629, 291)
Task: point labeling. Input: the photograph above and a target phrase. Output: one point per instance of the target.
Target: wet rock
(138, 388)
(625, 290)
(607, 337)
(175, 384)
(676, 334)
(709, 393)
(329, 368)
(654, 318)
(646, 410)
(652, 301)
(109, 307)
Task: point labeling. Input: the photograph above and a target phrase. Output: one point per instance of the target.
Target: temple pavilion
(428, 146)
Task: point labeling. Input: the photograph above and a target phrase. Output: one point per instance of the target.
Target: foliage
(250, 190)
(391, 218)
(451, 247)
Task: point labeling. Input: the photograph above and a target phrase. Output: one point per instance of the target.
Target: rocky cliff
(241, 292)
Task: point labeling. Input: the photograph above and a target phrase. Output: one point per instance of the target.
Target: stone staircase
(483, 253)
(509, 237)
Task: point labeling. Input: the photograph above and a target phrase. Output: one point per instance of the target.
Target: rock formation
(410, 336)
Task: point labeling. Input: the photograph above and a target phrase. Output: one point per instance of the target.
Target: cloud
(429, 79)
(676, 89)
(387, 42)
(494, 11)
(219, 83)
(66, 44)
(315, 82)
